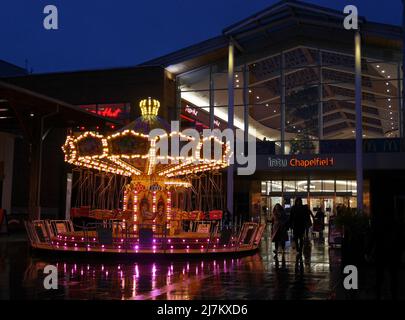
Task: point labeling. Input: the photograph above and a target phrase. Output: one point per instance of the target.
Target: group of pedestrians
(299, 222)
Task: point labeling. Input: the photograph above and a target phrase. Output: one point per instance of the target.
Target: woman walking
(279, 228)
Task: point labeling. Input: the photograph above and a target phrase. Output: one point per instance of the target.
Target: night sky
(107, 34)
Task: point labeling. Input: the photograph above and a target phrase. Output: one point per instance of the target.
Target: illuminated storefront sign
(198, 116)
(317, 162)
(117, 111)
(191, 110)
(110, 113)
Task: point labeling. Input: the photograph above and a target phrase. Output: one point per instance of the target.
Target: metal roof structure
(301, 30)
(279, 23)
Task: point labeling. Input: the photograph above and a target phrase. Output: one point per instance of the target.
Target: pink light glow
(169, 241)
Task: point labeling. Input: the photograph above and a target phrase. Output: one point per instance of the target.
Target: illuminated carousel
(142, 190)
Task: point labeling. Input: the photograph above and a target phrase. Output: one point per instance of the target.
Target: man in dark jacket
(299, 219)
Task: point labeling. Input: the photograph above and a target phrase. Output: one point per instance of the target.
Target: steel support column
(212, 101)
(403, 71)
(320, 97)
(400, 104)
(283, 103)
(230, 177)
(359, 121)
(246, 103)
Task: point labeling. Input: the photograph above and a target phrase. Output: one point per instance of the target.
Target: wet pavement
(257, 276)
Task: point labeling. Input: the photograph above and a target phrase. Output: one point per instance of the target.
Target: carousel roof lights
(149, 107)
(129, 152)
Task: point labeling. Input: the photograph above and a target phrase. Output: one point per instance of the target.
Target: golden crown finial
(149, 107)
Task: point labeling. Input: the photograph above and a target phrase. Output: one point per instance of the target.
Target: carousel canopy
(132, 152)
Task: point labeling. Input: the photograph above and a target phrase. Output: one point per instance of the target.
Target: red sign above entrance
(315, 162)
(295, 162)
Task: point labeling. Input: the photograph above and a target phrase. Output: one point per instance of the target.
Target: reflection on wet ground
(258, 276)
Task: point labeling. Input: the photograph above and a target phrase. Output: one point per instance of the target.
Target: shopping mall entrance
(325, 194)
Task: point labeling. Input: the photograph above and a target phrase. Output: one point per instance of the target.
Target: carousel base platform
(59, 236)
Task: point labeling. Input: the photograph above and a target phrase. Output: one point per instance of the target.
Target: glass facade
(302, 94)
(331, 187)
(328, 194)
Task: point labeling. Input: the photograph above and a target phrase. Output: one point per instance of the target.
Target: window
(289, 186)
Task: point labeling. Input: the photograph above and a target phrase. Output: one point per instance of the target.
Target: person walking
(279, 228)
(309, 222)
(299, 218)
(319, 222)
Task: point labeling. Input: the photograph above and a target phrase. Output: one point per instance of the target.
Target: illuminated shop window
(315, 186)
(276, 186)
(352, 186)
(302, 185)
(264, 187)
(341, 186)
(289, 186)
(328, 186)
